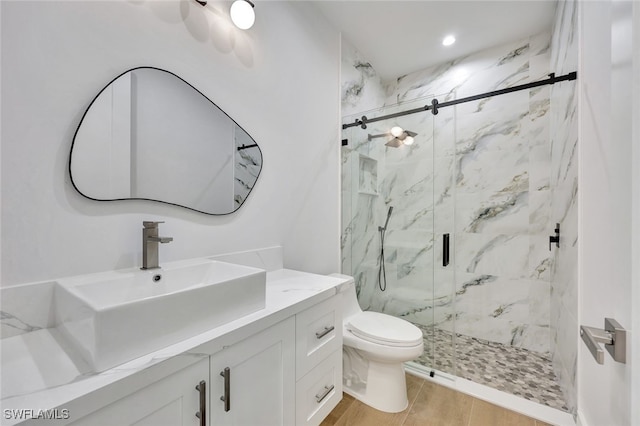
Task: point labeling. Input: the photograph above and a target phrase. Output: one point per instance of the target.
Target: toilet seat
(384, 329)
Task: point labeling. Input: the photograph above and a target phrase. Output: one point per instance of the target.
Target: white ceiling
(399, 37)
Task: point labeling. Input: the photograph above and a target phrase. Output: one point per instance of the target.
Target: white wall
(635, 225)
(605, 204)
(279, 81)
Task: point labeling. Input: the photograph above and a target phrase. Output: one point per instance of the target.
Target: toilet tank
(350, 304)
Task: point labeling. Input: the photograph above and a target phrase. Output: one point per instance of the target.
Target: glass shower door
(503, 262)
(444, 207)
(389, 205)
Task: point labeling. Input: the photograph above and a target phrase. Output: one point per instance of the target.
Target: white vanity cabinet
(289, 372)
(172, 401)
(253, 381)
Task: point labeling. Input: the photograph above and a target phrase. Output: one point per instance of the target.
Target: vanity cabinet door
(319, 391)
(171, 401)
(253, 381)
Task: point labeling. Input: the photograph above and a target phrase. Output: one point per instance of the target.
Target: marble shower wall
(479, 171)
(362, 91)
(564, 186)
(499, 192)
(382, 177)
(361, 88)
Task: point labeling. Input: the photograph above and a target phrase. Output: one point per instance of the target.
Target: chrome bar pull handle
(151, 223)
(614, 337)
(202, 414)
(327, 330)
(226, 398)
(327, 390)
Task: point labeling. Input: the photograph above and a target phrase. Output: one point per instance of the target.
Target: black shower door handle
(445, 249)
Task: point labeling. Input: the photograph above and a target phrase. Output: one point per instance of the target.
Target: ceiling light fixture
(448, 40)
(396, 131)
(242, 14)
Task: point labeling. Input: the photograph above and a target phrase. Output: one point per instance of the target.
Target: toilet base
(386, 387)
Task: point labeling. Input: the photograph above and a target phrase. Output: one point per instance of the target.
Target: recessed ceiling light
(448, 40)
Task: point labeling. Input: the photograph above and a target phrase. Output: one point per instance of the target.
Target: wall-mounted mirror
(151, 135)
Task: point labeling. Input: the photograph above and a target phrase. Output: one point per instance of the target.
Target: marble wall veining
(400, 181)
(479, 171)
(361, 87)
(361, 90)
(26, 308)
(564, 201)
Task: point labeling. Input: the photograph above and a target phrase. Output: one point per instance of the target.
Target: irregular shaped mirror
(149, 135)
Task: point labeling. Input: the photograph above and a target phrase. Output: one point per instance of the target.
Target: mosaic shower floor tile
(507, 368)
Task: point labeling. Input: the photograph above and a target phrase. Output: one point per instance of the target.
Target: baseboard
(580, 421)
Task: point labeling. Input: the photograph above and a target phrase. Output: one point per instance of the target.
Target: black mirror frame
(150, 199)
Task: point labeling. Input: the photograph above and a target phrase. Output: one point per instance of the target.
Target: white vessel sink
(113, 317)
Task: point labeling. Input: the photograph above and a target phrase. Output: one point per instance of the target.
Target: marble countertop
(38, 374)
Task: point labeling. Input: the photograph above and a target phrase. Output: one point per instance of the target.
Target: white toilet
(375, 347)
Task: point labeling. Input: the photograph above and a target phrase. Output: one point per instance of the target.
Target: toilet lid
(384, 329)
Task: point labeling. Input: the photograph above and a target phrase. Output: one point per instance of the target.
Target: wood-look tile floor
(429, 404)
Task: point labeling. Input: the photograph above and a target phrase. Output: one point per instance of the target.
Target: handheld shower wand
(388, 217)
(382, 272)
(384, 228)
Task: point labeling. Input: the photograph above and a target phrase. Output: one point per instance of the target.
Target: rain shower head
(399, 137)
(394, 143)
(405, 137)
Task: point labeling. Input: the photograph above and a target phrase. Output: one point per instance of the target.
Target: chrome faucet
(150, 240)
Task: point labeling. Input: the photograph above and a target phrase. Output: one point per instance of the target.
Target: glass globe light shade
(396, 131)
(242, 14)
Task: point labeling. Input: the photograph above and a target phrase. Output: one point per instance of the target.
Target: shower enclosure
(476, 176)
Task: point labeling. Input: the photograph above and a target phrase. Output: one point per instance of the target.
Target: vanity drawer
(318, 333)
(319, 391)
